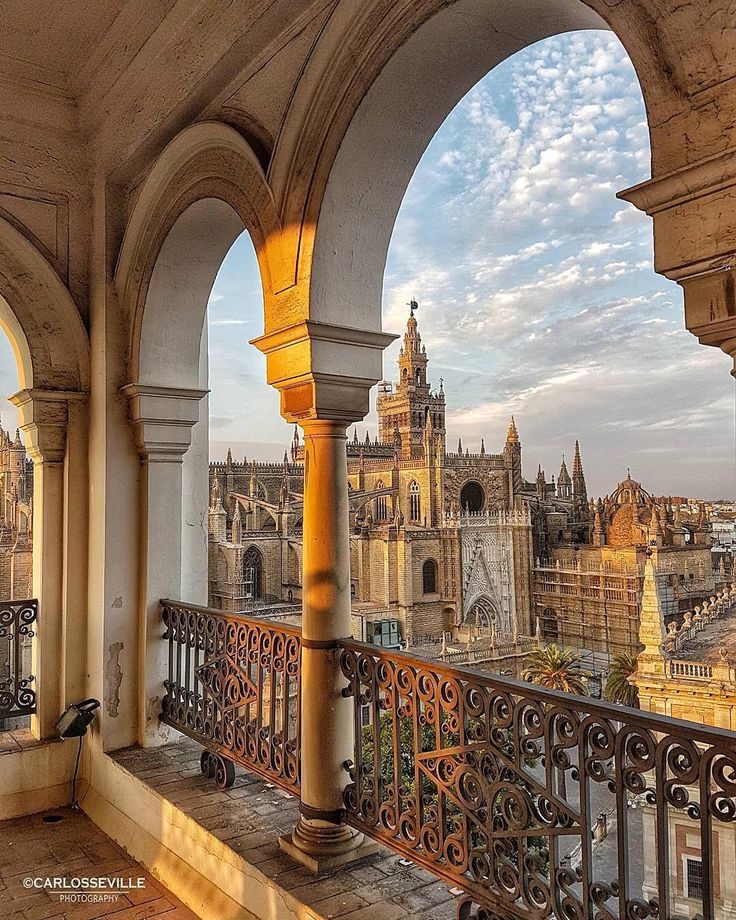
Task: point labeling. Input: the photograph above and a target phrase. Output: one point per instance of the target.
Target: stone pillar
(324, 374)
(321, 838)
(163, 418)
(59, 521)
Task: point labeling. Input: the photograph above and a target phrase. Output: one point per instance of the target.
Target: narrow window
(415, 503)
(429, 577)
(694, 879)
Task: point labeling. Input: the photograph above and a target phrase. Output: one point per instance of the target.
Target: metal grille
(233, 685)
(17, 621)
(536, 804)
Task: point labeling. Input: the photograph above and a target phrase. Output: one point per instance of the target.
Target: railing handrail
(234, 616)
(615, 712)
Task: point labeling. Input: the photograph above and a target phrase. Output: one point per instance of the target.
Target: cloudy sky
(536, 289)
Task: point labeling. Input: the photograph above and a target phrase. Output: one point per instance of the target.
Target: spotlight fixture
(74, 721)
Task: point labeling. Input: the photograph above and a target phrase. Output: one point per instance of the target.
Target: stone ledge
(155, 803)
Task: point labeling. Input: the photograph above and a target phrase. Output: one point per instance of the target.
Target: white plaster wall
(195, 495)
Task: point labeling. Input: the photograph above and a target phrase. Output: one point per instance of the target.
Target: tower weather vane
(413, 305)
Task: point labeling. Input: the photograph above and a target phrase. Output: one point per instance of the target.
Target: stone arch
(201, 193)
(253, 584)
(207, 185)
(51, 347)
(482, 612)
(472, 496)
(342, 171)
(415, 502)
(430, 576)
(51, 354)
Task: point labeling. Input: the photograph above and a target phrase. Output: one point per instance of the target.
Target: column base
(320, 845)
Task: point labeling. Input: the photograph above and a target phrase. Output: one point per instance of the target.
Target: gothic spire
(577, 464)
(564, 476)
(512, 437)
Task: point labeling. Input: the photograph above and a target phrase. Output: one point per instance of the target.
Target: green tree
(618, 689)
(557, 668)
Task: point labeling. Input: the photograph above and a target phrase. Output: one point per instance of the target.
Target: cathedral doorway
(482, 613)
(472, 497)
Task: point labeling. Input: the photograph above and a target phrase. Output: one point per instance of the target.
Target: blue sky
(536, 289)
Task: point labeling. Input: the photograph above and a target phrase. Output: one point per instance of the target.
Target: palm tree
(618, 689)
(557, 668)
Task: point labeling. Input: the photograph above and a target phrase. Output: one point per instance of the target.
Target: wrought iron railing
(233, 685)
(17, 622)
(539, 804)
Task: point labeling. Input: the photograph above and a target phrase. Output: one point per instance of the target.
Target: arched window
(472, 497)
(429, 577)
(415, 501)
(419, 377)
(380, 503)
(253, 573)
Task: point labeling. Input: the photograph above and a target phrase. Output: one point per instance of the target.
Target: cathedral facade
(440, 539)
(454, 544)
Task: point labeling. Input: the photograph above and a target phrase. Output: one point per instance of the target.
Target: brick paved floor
(251, 816)
(73, 848)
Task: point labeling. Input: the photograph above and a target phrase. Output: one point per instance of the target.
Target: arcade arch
(51, 351)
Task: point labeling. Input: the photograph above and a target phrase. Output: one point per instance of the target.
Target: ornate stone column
(163, 418)
(58, 540)
(324, 374)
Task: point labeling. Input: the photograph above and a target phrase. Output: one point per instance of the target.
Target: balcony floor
(73, 848)
(251, 816)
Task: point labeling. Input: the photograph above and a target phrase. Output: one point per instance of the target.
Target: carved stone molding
(163, 418)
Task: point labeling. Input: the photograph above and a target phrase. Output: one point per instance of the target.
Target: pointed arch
(415, 502)
(253, 573)
(380, 503)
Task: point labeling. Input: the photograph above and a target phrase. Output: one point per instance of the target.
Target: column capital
(163, 418)
(43, 415)
(323, 371)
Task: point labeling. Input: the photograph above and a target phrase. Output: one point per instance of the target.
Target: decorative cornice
(163, 418)
(661, 193)
(313, 331)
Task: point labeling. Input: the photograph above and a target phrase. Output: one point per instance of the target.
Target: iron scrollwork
(495, 786)
(233, 685)
(17, 627)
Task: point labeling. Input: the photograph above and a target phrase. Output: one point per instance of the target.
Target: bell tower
(406, 411)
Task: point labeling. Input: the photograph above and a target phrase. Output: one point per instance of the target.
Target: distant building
(687, 670)
(452, 552)
(16, 518)
(590, 560)
(16, 543)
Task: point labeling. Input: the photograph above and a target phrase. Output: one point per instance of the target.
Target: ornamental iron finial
(413, 305)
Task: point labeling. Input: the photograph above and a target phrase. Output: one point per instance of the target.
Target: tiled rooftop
(706, 645)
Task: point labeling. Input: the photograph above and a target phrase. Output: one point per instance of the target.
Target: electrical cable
(74, 804)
